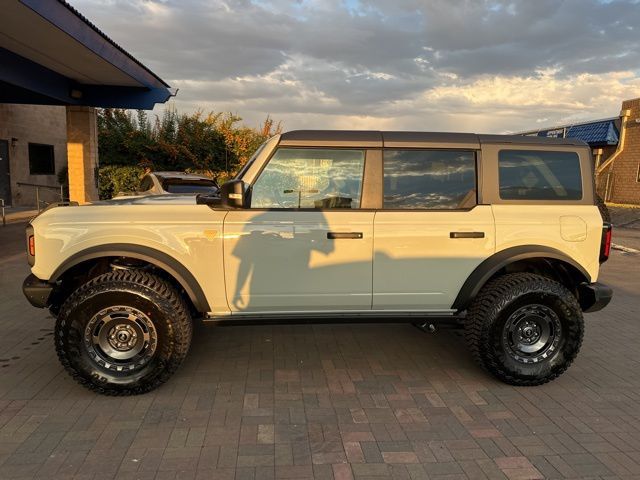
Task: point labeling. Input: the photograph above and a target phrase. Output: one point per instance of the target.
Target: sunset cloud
(484, 66)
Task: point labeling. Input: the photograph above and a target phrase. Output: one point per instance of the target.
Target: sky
(432, 65)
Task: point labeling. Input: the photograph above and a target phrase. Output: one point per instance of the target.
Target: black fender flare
(147, 254)
(501, 259)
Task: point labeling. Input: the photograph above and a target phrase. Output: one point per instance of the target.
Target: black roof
(374, 138)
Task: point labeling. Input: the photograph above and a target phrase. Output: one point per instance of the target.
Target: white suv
(500, 233)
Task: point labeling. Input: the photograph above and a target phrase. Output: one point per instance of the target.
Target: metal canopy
(597, 133)
(50, 54)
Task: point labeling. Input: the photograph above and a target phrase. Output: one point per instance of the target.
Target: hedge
(114, 179)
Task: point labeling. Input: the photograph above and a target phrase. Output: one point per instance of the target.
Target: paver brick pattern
(348, 401)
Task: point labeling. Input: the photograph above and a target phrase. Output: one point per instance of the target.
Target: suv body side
(413, 261)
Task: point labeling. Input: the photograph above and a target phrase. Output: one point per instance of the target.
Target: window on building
(41, 159)
(429, 179)
(310, 178)
(539, 175)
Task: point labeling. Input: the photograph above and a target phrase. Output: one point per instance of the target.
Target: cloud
(467, 65)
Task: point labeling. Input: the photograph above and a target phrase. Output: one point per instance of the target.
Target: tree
(216, 143)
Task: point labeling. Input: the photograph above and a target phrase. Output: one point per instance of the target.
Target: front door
(304, 245)
(5, 174)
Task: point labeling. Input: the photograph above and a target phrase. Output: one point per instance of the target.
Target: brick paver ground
(325, 401)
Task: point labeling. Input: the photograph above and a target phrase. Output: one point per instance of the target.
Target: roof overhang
(51, 54)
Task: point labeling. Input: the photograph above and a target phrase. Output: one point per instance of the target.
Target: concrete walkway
(17, 214)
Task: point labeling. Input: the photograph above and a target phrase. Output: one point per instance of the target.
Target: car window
(310, 178)
(204, 188)
(539, 175)
(429, 179)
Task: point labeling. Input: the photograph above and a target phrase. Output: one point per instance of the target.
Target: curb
(624, 249)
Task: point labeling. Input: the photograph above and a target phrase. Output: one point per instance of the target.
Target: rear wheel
(524, 329)
(123, 333)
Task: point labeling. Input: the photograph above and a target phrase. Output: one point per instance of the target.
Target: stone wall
(33, 124)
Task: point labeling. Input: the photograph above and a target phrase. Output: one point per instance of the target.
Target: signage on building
(557, 133)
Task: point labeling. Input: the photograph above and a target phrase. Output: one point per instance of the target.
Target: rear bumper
(37, 291)
(594, 296)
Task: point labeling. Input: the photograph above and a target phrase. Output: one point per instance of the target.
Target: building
(33, 151)
(56, 68)
(615, 143)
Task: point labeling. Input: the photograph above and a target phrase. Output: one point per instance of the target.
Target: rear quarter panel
(575, 231)
(574, 227)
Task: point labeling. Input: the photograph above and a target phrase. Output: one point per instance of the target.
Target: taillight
(32, 246)
(605, 246)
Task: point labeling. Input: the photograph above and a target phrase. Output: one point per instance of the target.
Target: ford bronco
(501, 234)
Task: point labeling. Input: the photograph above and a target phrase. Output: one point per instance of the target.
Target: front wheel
(123, 333)
(524, 329)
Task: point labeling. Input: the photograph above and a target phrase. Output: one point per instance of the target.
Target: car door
(430, 234)
(305, 245)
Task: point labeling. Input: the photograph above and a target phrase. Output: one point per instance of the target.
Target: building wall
(602, 180)
(33, 124)
(625, 187)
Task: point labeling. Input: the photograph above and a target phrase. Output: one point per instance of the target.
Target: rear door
(431, 233)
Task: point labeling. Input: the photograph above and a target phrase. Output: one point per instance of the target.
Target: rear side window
(539, 175)
(429, 179)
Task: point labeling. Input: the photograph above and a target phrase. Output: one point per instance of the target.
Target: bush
(114, 179)
(215, 142)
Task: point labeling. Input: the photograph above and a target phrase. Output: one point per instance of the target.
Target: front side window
(41, 159)
(539, 175)
(310, 178)
(429, 179)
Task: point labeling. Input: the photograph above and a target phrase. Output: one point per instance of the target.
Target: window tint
(310, 178)
(429, 179)
(538, 175)
(41, 161)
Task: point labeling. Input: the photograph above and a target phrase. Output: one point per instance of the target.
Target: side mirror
(233, 194)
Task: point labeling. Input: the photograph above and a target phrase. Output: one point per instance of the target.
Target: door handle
(339, 235)
(466, 235)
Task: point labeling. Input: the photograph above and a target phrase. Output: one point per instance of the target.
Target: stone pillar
(82, 153)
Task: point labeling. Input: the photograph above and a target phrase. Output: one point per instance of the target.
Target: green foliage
(113, 179)
(216, 142)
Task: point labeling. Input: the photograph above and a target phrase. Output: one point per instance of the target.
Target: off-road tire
(491, 312)
(163, 309)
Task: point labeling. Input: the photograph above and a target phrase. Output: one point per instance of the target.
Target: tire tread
(133, 281)
(495, 296)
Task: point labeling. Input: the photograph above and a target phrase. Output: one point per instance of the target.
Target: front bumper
(594, 296)
(37, 291)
